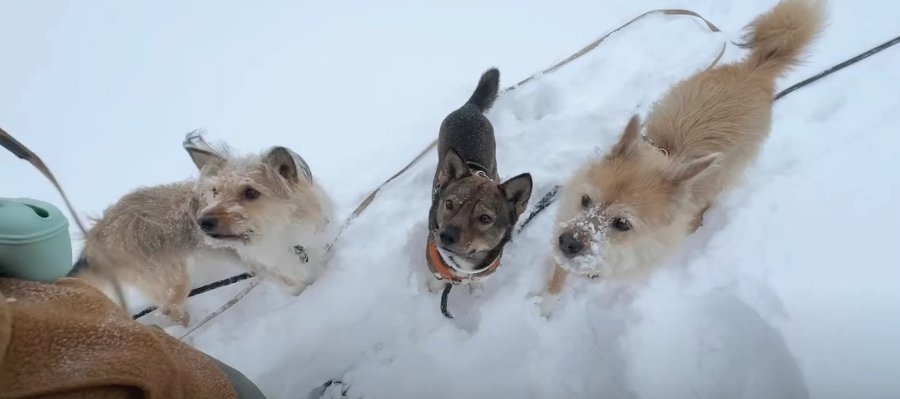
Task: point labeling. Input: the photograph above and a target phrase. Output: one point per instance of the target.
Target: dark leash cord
(202, 289)
(444, 296)
(838, 67)
(552, 195)
(546, 201)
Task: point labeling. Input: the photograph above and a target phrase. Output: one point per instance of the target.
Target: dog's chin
(226, 240)
(463, 261)
(468, 255)
(586, 263)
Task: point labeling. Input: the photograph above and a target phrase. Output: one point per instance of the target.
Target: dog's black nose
(450, 236)
(208, 223)
(569, 245)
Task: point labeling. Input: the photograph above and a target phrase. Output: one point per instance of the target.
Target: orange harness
(442, 271)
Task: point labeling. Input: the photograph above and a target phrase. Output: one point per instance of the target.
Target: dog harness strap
(478, 170)
(650, 141)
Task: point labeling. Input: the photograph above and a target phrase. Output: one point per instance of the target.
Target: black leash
(838, 67)
(444, 296)
(202, 289)
(546, 201)
(552, 195)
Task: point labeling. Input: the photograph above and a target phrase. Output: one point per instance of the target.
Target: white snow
(791, 288)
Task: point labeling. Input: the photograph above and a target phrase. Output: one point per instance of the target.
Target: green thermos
(34, 240)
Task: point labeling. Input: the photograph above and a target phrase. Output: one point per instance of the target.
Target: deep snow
(791, 286)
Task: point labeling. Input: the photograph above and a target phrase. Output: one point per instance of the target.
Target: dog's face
(620, 213)
(243, 200)
(474, 214)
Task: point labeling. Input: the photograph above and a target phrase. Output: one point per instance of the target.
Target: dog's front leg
(173, 293)
(297, 288)
(558, 281)
(475, 288)
(293, 284)
(698, 219)
(551, 295)
(435, 285)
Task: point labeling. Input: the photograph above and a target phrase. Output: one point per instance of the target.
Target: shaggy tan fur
(623, 214)
(262, 207)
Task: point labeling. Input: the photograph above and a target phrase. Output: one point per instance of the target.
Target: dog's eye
(250, 193)
(485, 219)
(448, 205)
(621, 224)
(215, 192)
(585, 201)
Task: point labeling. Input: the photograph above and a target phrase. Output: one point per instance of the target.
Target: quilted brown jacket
(68, 340)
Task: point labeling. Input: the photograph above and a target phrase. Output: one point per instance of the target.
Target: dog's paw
(177, 314)
(434, 285)
(547, 303)
(297, 288)
(475, 289)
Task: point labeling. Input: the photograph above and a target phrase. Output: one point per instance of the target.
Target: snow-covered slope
(791, 287)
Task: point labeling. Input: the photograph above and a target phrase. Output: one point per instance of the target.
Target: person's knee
(242, 385)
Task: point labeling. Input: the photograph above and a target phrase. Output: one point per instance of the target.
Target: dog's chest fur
(295, 251)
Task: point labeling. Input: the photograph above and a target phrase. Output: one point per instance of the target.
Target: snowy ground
(791, 287)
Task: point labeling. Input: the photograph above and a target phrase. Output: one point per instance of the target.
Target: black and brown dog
(472, 214)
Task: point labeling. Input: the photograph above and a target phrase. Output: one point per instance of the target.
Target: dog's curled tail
(487, 89)
(778, 38)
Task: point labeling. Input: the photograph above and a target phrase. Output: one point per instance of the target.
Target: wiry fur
(149, 236)
(624, 213)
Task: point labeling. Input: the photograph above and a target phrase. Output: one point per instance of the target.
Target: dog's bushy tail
(778, 38)
(487, 89)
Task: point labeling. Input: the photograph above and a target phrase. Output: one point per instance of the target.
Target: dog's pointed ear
(690, 172)
(201, 152)
(453, 167)
(518, 191)
(630, 138)
(686, 176)
(288, 164)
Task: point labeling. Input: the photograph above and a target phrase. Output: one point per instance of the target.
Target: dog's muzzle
(211, 225)
(569, 245)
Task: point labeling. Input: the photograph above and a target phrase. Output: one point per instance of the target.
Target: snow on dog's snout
(589, 228)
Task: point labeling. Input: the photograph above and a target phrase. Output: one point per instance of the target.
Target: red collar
(443, 271)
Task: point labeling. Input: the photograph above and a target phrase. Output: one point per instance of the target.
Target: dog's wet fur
(472, 215)
(253, 209)
(624, 213)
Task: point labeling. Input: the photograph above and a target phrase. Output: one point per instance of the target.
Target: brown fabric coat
(67, 340)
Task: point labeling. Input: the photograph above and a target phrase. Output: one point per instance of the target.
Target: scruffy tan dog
(626, 212)
(263, 210)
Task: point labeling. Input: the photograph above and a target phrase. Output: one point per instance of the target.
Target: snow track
(791, 288)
